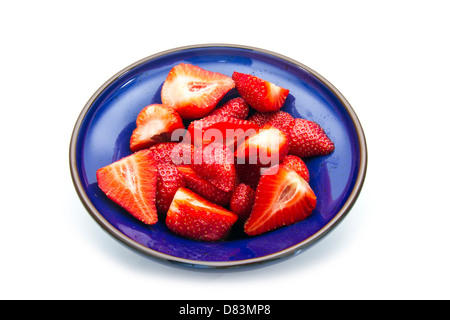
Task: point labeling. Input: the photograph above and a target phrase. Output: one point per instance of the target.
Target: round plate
(103, 130)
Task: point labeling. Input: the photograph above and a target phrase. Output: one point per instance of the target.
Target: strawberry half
(169, 180)
(192, 91)
(267, 147)
(308, 139)
(155, 123)
(282, 198)
(203, 187)
(236, 108)
(217, 128)
(260, 94)
(215, 163)
(131, 183)
(194, 217)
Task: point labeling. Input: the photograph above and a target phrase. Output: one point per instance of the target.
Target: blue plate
(103, 129)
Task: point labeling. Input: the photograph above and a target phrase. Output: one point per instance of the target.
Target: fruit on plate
(229, 167)
(194, 92)
(219, 128)
(214, 162)
(203, 187)
(281, 198)
(236, 108)
(267, 147)
(172, 152)
(262, 95)
(155, 123)
(131, 183)
(297, 164)
(194, 217)
(168, 182)
(308, 139)
(279, 119)
(241, 202)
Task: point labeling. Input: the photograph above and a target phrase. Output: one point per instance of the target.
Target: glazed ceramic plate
(103, 129)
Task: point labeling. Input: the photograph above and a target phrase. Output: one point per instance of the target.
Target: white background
(390, 59)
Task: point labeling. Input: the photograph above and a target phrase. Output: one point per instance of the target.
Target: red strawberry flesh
(131, 183)
(218, 128)
(267, 147)
(154, 124)
(194, 92)
(282, 198)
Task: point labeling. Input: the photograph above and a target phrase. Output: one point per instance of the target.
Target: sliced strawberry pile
(240, 163)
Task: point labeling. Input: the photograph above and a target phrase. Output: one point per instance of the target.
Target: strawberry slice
(297, 164)
(194, 217)
(267, 147)
(131, 183)
(236, 108)
(241, 202)
(203, 187)
(192, 91)
(155, 123)
(308, 139)
(214, 162)
(169, 180)
(260, 94)
(218, 128)
(282, 198)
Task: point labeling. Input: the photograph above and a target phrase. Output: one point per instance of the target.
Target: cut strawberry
(308, 139)
(203, 187)
(192, 91)
(155, 123)
(236, 108)
(218, 128)
(131, 183)
(260, 94)
(279, 119)
(172, 152)
(267, 147)
(215, 163)
(296, 164)
(282, 198)
(169, 180)
(242, 201)
(194, 217)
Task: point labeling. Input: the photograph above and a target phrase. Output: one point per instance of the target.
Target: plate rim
(293, 250)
